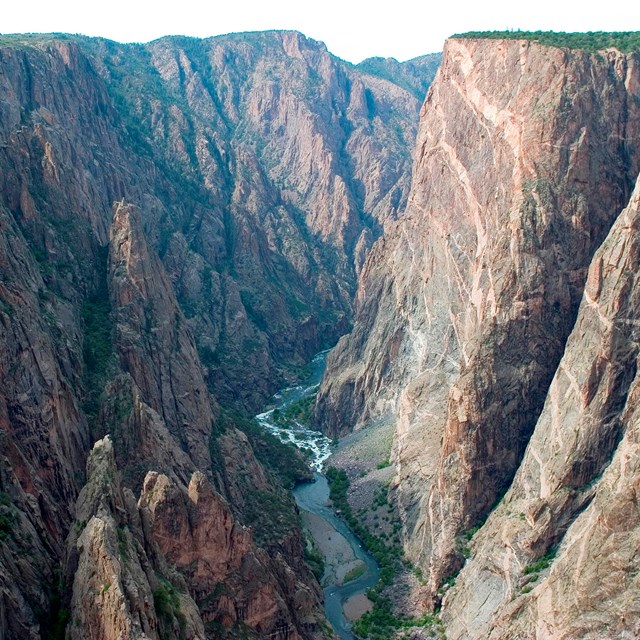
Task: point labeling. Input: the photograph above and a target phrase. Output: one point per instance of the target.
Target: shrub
(541, 564)
(354, 573)
(591, 41)
(166, 602)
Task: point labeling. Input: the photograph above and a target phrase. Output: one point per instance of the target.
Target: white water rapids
(294, 432)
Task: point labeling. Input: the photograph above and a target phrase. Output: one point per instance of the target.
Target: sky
(352, 30)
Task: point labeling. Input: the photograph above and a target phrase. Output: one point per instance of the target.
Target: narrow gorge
(184, 224)
(494, 332)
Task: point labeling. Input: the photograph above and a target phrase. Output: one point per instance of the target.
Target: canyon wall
(557, 557)
(181, 225)
(526, 156)
(284, 161)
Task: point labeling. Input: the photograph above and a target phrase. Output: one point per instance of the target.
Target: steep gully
(313, 497)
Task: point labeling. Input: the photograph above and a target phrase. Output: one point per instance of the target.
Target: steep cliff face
(121, 585)
(573, 502)
(526, 154)
(153, 343)
(290, 160)
(233, 581)
(119, 578)
(43, 429)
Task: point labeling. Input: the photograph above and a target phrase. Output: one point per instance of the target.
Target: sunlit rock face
(573, 498)
(526, 155)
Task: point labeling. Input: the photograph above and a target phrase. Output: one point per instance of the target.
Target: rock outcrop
(232, 580)
(573, 502)
(526, 155)
(153, 343)
(252, 174)
(121, 589)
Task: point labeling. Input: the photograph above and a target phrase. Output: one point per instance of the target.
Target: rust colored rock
(195, 531)
(118, 577)
(233, 580)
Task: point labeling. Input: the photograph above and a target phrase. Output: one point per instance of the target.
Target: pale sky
(353, 30)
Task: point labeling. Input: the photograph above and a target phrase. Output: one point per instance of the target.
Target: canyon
(181, 228)
(495, 330)
(185, 223)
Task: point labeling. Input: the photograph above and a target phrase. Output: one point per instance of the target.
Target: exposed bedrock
(526, 155)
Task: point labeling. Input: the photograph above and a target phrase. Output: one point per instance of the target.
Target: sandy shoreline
(339, 560)
(338, 555)
(355, 606)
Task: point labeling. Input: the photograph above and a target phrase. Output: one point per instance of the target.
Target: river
(313, 497)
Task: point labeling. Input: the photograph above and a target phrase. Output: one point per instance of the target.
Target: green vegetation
(271, 514)
(54, 620)
(6, 526)
(166, 602)
(541, 564)
(313, 558)
(338, 487)
(448, 583)
(136, 88)
(414, 75)
(462, 542)
(7, 516)
(282, 459)
(532, 571)
(28, 40)
(59, 627)
(299, 411)
(256, 307)
(472, 532)
(97, 347)
(354, 573)
(327, 629)
(388, 556)
(6, 308)
(381, 622)
(208, 357)
(123, 546)
(589, 41)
